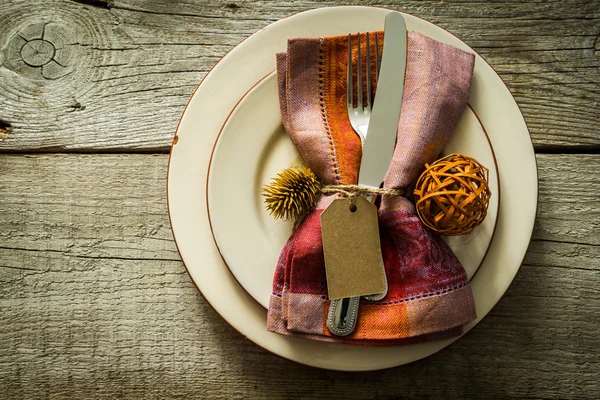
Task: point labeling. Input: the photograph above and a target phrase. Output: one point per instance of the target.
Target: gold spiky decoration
(292, 193)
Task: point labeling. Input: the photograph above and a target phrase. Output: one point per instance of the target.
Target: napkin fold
(429, 295)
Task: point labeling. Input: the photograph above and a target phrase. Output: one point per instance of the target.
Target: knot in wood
(37, 52)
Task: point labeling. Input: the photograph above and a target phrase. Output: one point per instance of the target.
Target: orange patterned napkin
(429, 294)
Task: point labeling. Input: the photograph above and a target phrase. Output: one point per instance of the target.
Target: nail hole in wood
(5, 127)
(77, 106)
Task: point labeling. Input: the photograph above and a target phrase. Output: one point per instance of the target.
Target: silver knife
(383, 124)
(378, 147)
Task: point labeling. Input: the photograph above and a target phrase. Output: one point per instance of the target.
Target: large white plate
(206, 113)
(253, 147)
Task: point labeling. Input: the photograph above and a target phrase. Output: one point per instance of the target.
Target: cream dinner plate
(253, 147)
(188, 188)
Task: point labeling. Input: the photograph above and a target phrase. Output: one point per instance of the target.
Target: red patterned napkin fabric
(429, 295)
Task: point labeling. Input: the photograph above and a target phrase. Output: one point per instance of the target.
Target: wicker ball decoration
(452, 195)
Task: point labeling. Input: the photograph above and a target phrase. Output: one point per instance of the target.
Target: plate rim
(176, 138)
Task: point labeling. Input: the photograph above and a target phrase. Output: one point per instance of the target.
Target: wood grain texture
(116, 74)
(94, 302)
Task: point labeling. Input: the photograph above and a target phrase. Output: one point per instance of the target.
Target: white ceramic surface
(253, 147)
(207, 111)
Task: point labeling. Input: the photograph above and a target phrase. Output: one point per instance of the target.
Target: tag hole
(352, 207)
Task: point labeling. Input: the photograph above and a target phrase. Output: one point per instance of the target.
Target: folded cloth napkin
(429, 295)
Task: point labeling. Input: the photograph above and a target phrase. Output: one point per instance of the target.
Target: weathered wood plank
(94, 302)
(122, 71)
(59, 206)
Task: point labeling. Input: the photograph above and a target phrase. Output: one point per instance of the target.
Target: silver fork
(342, 315)
(360, 115)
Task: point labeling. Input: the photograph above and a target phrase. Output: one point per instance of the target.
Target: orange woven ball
(452, 195)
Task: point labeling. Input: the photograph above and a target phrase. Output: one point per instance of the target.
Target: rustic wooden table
(94, 300)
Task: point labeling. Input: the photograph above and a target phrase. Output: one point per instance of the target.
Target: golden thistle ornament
(292, 193)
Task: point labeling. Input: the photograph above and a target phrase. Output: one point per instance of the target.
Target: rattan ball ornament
(452, 195)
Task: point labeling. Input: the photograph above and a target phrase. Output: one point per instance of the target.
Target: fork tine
(359, 83)
(368, 75)
(349, 79)
(377, 57)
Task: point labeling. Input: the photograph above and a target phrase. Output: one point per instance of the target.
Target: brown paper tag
(353, 261)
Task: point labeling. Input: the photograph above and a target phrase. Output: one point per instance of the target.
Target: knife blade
(383, 124)
(378, 149)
